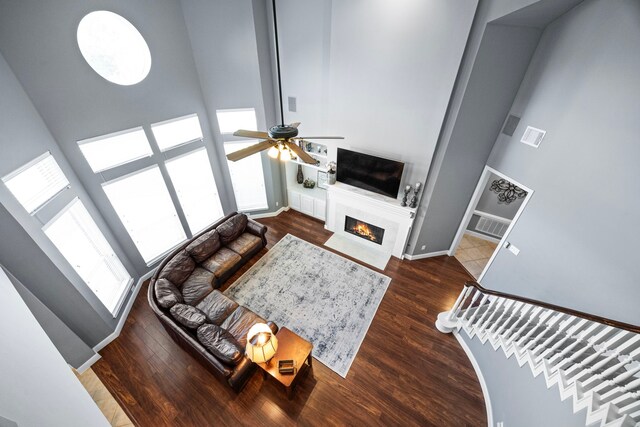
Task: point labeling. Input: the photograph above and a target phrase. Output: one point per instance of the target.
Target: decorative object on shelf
(407, 190)
(309, 183)
(300, 175)
(332, 168)
(323, 179)
(262, 344)
(414, 198)
(506, 191)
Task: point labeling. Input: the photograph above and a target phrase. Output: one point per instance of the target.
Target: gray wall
(577, 237)
(37, 386)
(25, 249)
(230, 42)
(517, 398)
(71, 347)
(378, 74)
(500, 64)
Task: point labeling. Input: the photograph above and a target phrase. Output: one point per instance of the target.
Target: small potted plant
(332, 167)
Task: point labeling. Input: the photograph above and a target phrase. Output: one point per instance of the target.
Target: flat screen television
(368, 172)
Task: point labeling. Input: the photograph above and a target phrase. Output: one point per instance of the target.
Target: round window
(114, 48)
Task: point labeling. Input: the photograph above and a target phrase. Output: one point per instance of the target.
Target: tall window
(247, 178)
(37, 182)
(247, 175)
(196, 188)
(144, 206)
(83, 245)
(72, 230)
(162, 188)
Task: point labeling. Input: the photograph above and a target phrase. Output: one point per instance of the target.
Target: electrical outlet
(293, 104)
(277, 204)
(500, 424)
(423, 247)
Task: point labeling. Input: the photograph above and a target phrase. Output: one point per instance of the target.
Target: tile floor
(107, 404)
(474, 253)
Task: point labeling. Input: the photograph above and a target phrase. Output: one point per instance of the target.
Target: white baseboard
(483, 384)
(482, 236)
(125, 313)
(86, 365)
(427, 255)
(269, 214)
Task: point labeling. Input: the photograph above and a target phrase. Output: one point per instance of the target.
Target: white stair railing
(593, 363)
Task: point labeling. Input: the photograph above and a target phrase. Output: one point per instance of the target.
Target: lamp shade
(262, 344)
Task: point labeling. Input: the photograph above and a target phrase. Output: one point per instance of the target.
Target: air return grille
(492, 227)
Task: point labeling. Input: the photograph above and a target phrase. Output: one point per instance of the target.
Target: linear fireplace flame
(364, 230)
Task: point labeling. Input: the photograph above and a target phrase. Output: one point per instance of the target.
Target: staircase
(594, 364)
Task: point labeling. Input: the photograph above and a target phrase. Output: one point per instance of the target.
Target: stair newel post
(447, 321)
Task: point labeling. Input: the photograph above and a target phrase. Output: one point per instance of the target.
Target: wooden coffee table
(290, 347)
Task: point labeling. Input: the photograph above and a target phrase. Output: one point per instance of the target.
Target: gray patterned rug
(323, 297)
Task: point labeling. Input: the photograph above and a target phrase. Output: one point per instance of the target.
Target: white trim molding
(268, 214)
(427, 255)
(125, 313)
(86, 365)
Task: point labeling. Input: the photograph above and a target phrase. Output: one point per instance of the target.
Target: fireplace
(364, 230)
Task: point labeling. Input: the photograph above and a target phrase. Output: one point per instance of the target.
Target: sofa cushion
(217, 307)
(197, 286)
(222, 261)
(239, 323)
(167, 293)
(187, 315)
(178, 269)
(204, 246)
(245, 243)
(220, 343)
(232, 228)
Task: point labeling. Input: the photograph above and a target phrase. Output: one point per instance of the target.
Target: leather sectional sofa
(183, 294)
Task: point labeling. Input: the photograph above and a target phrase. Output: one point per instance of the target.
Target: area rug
(323, 297)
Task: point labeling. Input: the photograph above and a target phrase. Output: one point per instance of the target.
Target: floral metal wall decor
(506, 191)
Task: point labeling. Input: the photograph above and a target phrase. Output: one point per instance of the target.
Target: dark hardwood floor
(406, 372)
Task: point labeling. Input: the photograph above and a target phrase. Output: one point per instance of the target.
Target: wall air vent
(533, 136)
(492, 227)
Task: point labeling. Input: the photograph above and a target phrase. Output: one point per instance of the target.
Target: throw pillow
(187, 315)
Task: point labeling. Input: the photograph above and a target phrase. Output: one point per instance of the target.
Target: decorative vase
(332, 178)
(300, 176)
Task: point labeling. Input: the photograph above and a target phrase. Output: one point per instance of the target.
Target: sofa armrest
(257, 229)
(241, 373)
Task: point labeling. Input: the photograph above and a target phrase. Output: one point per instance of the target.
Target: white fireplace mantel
(376, 209)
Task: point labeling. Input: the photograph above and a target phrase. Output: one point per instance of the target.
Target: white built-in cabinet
(307, 204)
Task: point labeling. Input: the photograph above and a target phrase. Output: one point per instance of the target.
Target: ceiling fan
(281, 140)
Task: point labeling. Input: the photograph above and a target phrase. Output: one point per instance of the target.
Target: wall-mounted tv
(368, 172)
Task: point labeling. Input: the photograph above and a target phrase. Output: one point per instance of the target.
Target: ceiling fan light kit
(281, 140)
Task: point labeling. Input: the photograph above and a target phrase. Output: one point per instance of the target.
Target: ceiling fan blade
(253, 149)
(319, 137)
(251, 134)
(295, 125)
(301, 153)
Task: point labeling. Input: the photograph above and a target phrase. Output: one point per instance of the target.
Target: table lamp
(262, 344)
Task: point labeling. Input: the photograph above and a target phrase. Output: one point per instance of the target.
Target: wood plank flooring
(406, 372)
